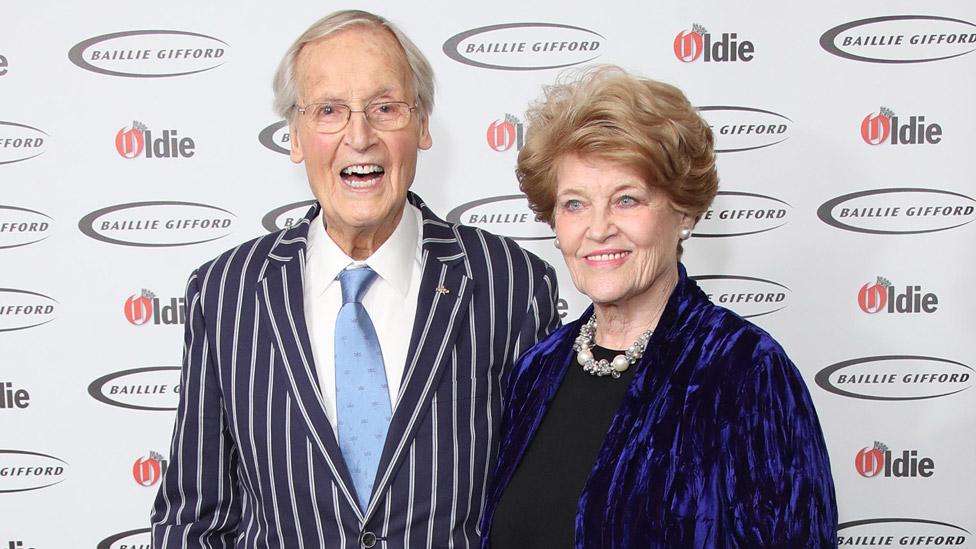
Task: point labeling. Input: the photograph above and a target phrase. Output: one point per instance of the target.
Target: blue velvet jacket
(716, 443)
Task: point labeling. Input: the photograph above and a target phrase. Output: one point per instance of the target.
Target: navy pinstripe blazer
(254, 459)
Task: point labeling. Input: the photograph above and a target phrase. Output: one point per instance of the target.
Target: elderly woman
(657, 419)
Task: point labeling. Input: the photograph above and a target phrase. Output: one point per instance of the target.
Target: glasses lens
(329, 117)
(388, 116)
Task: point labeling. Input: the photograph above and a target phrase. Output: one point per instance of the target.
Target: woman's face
(618, 235)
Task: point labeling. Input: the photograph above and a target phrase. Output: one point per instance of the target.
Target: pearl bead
(620, 363)
(584, 356)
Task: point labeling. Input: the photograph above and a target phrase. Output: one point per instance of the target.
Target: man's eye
(384, 108)
(327, 111)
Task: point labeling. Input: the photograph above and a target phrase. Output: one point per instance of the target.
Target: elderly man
(343, 378)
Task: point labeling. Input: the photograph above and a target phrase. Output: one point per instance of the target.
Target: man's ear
(424, 142)
(296, 145)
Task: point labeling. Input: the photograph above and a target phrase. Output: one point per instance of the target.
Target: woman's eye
(627, 200)
(572, 205)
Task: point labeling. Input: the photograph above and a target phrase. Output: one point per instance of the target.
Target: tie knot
(354, 283)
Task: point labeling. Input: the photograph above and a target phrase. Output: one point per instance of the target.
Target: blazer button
(368, 539)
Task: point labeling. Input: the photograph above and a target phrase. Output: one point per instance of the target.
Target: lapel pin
(442, 290)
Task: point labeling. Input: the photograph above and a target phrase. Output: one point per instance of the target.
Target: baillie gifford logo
(881, 296)
(145, 308)
(503, 134)
(884, 126)
(138, 140)
(878, 460)
(147, 470)
(698, 43)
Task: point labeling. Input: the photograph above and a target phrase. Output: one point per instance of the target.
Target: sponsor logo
(507, 215)
(878, 460)
(885, 127)
(19, 142)
(149, 53)
(286, 216)
(503, 134)
(20, 226)
(22, 471)
(147, 470)
(697, 43)
(901, 39)
(900, 532)
(145, 308)
(739, 129)
(3, 65)
(276, 137)
(155, 388)
(896, 378)
(748, 296)
(22, 309)
(138, 140)
(16, 544)
(898, 211)
(12, 397)
(524, 46)
(880, 295)
(736, 213)
(158, 224)
(131, 539)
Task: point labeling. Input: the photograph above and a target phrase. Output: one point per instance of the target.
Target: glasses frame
(306, 110)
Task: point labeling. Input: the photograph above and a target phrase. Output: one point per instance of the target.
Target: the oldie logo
(276, 137)
(130, 539)
(145, 308)
(22, 471)
(896, 378)
(154, 388)
(138, 140)
(22, 309)
(147, 470)
(697, 43)
(898, 211)
(505, 133)
(736, 213)
(882, 296)
(901, 532)
(286, 216)
(21, 226)
(158, 224)
(901, 39)
(149, 53)
(20, 142)
(739, 129)
(878, 460)
(12, 397)
(884, 126)
(507, 215)
(748, 296)
(524, 46)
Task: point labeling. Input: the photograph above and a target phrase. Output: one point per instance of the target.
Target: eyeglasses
(333, 117)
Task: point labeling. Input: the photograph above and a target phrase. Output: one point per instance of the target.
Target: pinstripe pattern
(254, 459)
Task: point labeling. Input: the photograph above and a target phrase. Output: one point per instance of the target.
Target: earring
(685, 234)
(555, 242)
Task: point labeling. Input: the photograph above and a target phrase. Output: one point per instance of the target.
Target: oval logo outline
(825, 209)
(28, 292)
(108, 542)
(32, 128)
(454, 216)
(744, 278)
(828, 37)
(20, 209)
(86, 223)
(95, 388)
(269, 219)
(29, 453)
(266, 137)
(822, 378)
(715, 108)
(450, 47)
(77, 52)
(749, 195)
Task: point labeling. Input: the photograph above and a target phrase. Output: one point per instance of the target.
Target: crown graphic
(698, 28)
(883, 282)
(886, 112)
(880, 446)
(147, 293)
(511, 119)
(156, 456)
(139, 126)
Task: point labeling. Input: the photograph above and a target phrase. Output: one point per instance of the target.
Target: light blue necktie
(362, 394)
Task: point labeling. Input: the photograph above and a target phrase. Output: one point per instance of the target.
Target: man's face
(359, 175)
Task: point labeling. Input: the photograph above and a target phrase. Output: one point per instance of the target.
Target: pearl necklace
(620, 363)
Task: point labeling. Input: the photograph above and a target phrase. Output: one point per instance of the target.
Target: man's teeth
(606, 257)
(362, 169)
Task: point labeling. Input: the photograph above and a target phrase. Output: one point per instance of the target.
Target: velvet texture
(716, 444)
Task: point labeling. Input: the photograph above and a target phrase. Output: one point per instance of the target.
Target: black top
(538, 508)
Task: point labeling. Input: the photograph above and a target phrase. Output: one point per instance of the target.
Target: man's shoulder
(247, 261)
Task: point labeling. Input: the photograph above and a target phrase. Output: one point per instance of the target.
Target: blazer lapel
(280, 294)
(443, 301)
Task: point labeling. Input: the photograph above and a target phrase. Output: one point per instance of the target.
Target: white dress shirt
(391, 300)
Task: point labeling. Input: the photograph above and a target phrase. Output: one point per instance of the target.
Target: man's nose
(360, 135)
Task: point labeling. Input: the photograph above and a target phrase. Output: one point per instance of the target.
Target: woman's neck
(620, 324)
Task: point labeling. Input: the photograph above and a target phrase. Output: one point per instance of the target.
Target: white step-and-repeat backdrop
(137, 141)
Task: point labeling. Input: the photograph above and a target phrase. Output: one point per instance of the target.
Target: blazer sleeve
(542, 316)
(198, 503)
(778, 474)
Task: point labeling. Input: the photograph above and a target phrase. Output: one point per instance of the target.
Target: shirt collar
(393, 261)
